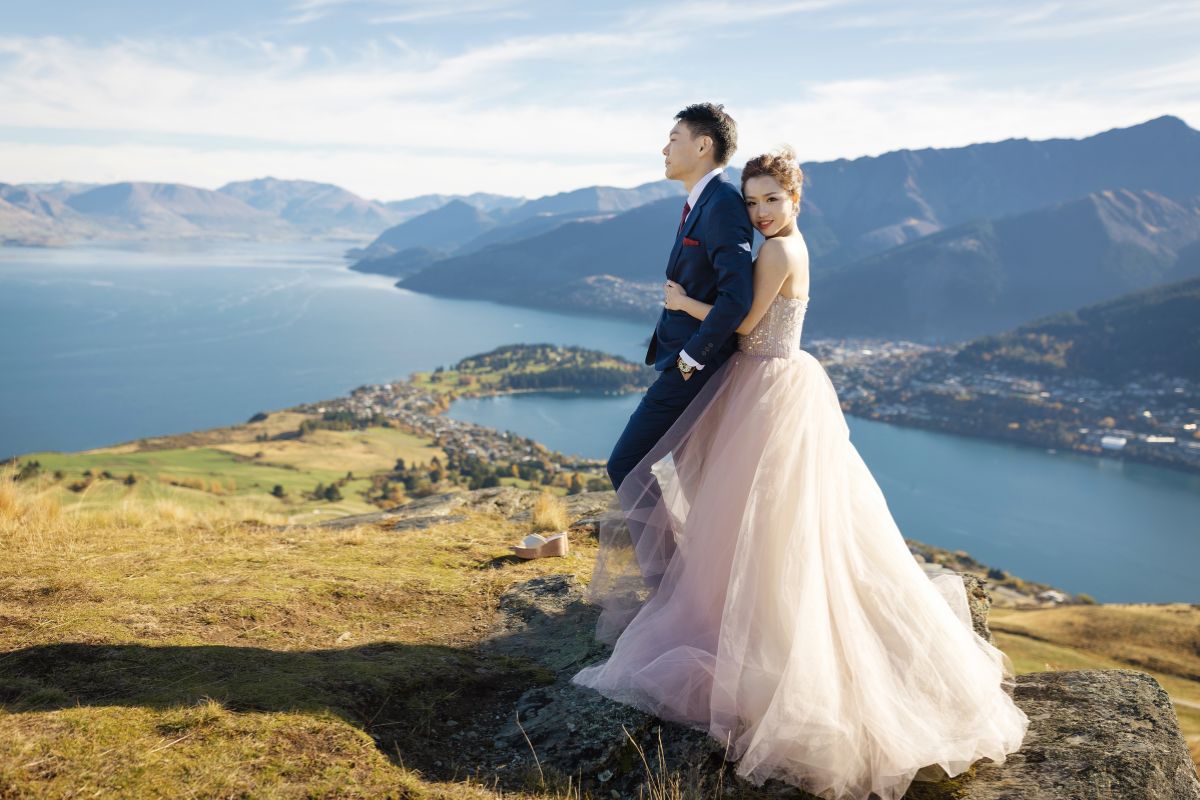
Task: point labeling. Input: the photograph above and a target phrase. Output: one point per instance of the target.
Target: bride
(755, 585)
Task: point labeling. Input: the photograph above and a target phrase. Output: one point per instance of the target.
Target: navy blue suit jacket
(716, 269)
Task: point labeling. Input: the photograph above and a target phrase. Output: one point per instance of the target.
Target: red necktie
(686, 208)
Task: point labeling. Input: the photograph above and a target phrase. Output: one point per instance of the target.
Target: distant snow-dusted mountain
(31, 217)
(315, 208)
(166, 209)
(484, 201)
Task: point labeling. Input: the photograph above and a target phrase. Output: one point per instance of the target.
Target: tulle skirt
(755, 585)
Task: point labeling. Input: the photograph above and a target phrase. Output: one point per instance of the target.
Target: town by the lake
(1153, 420)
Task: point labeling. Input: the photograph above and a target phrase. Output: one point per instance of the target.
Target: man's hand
(675, 295)
(687, 376)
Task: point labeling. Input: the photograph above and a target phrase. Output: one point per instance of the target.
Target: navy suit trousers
(662, 404)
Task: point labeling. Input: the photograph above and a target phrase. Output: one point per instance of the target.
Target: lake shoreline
(1033, 429)
(1050, 446)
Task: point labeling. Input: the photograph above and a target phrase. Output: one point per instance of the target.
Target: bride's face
(772, 208)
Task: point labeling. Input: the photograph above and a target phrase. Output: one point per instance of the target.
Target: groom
(711, 260)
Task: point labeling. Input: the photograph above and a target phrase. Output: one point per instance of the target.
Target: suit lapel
(693, 217)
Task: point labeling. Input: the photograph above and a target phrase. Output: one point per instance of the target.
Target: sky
(396, 98)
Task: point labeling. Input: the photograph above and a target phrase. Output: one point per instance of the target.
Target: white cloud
(709, 14)
(950, 22)
(1181, 78)
(869, 117)
(57, 84)
(404, 11)
(525, 114)
(440, 9)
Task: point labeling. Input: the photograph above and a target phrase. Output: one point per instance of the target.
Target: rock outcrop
(1094, 734)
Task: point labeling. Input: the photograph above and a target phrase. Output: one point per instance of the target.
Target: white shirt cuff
(689, 360)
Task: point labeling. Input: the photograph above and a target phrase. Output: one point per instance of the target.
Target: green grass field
(208, 469)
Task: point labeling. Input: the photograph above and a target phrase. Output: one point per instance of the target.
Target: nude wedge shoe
(537, 546)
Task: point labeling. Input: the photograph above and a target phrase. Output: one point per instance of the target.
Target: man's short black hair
(709, 119)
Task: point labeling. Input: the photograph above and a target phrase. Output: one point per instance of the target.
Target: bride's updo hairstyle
(780, 164)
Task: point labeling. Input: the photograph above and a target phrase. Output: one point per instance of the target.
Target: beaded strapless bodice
(777, 334)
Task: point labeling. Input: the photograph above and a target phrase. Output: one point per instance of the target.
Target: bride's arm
(770, 271)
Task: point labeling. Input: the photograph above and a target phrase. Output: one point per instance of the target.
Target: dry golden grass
(33, 521)
(152, 650)
(550, 513)
(1160, 639)
(156, 650)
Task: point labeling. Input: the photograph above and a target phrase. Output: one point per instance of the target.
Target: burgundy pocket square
(690, 242)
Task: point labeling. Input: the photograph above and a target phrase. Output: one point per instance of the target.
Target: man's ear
(706, 144)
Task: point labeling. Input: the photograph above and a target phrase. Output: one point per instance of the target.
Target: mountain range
(934, 245)
(990, 274)
(867, 205)
(928, 245)
(274, 209)
(262, 209)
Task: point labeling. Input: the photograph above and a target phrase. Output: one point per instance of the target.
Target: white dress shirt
(692, 197)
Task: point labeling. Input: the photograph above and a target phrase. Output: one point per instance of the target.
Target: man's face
(682, 154)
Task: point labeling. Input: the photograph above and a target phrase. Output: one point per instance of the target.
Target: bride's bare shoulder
(772, 255)
(790, 250)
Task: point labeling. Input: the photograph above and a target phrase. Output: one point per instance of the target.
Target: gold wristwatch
(684, 367)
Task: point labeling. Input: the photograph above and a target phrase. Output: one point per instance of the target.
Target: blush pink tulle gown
(754, 585)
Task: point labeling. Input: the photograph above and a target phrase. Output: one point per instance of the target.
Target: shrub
(30, 469)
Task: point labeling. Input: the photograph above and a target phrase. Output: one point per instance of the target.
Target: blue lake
(1118, 531)
(104, 345)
